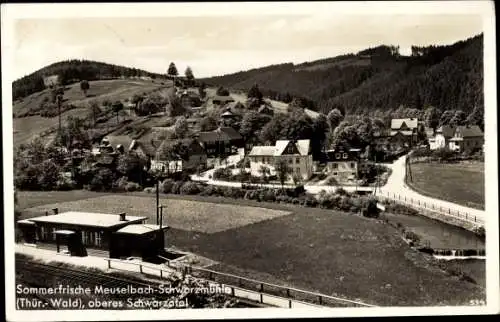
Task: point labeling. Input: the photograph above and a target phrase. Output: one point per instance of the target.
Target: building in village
(344, 164)
(194, 157)
(266, 110)
(190, 100)
(221, 142)
(404, 132)
(297, 153)
(467, 139)
(85, 233)
(442, 137)
(222, 100)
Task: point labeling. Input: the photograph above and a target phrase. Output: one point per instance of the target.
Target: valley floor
(319, 250)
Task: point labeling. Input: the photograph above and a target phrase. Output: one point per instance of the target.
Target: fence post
(140, 268)
(262, 287)
(465, 215)
(232, 291)
(288, 292)
(449, 211)
(474, 218)
(289, 304)
(320, 300)
(399, 197)
(161, 273)
(261, 298)
(109, 263)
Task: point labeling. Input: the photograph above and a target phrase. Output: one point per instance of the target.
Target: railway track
(38, 273)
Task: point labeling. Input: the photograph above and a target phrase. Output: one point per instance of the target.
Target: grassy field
(28, 127)
(314, 249)
(189, 215)
(462, 183)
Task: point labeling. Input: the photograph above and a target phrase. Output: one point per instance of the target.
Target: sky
(216, 45)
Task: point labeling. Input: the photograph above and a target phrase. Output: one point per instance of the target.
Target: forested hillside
(71, 71)
(377, 80)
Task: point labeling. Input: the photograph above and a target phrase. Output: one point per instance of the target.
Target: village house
(343, 163)
(266, 110)
(189, 100)
(221, 142)
(297, 153)
(404, 132)
(467, 139)
(194, 158)
(442, 137)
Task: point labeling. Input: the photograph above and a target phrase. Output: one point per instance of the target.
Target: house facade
(343, 163)
(441, 138)
(296, 153)
(195, 157)
(221, 142)
(404, 132)
(467, 139)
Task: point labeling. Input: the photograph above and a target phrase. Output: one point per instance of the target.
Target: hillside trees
(446, 117)
(476, 117)
(208, 123)
(172, 70)
(255, 97)
(84, 86)
(221, 91)
(431, 117)
(252, 123)
(320, 130)
(117, 107)
(334, 118)
(181, 128)
(459, 118)
(189, 76)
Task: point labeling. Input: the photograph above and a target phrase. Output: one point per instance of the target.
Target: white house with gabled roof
(297, 154)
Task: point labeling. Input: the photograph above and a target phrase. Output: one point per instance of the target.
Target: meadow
(461, 183)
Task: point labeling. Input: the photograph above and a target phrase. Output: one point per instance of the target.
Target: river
(438, 234)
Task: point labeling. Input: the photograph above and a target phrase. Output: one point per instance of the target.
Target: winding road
(394, 189)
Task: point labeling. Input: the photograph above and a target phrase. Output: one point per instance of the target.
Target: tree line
(70, 71)
(445, 77)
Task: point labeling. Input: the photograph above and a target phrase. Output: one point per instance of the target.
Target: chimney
(122, 216)
(55, 210)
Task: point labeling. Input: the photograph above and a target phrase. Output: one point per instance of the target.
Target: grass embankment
(314, 249)
(461, 183)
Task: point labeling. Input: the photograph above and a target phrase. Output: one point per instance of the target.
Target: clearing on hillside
(26, 128)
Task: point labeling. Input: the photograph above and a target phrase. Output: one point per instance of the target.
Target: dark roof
(220, 134)
(446, 130)
(470, 131)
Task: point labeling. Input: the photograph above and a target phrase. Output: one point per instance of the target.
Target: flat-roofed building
(76, 232)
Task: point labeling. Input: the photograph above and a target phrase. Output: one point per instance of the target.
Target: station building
(77, 233)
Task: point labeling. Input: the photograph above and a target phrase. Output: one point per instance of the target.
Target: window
(290, 161)
(53, 234)
(85, 238)
(297, 160)
(43, 232)
(97, 238)
(344, 155)
(297, 170)
(352, 165)
(337, 155)
(335, 165)
(335, 173)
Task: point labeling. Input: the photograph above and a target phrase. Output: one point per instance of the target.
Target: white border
(11, 12)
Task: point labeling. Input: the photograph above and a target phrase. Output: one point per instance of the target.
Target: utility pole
(157, 199)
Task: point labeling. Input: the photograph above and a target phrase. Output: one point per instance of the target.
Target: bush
(121, 184)
(412, 236)
(341, 192)
(166, 185)
(222, 174)
(176, 187)
(189, 188)
(132, 186)
(310, 201)
(369, 208)
(149, 190)
(322, 176)
(400, 209)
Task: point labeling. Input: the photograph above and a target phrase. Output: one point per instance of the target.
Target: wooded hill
(73, 71)
(376, 80)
